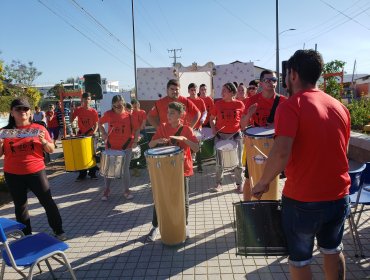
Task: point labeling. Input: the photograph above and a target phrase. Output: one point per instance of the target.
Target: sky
(70, 38)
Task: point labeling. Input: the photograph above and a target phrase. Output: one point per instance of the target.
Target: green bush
(360, 113)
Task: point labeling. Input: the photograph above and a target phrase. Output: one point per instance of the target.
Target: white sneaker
(152, 234)
(187, 231)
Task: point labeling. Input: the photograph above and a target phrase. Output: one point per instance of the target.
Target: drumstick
(219, 129)
(254, 146)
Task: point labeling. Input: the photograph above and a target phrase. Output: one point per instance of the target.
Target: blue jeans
(303, 221)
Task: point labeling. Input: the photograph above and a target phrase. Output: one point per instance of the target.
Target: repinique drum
(258, 229)
(111, 163)
(166, 172)
(78, 153)
(226, 153)
(259, 141)
(208, 143)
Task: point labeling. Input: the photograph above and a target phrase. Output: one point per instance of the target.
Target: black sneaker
(94, 177)
(152, 234)
(61, 236)
(80, 178)
(199, 169)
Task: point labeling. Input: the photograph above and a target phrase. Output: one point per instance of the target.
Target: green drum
(207, 148)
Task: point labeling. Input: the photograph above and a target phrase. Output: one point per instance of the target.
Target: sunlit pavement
(107, 238)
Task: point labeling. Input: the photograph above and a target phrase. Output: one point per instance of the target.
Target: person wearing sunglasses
(252, 88)
(225, 123)
(87, 126)
(312, 133)
(260, 111)
(24, 168)
(186, 140)
(121, 135)
(158, 114)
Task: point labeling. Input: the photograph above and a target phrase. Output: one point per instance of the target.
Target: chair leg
(2, 270)
(350, 225)
(359, 214)
(66, 262)
(50, 269)
(356, 235)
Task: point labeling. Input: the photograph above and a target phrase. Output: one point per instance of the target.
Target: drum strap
(178, 132)
(271, 117)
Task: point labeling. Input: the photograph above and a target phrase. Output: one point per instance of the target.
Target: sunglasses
(252, 88)
(118, 106)
(273, 79)
(23, 109)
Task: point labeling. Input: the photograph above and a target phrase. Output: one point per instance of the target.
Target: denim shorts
(303, 221)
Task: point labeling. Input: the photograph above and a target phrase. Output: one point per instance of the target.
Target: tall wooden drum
(166, 172)
(258, 142)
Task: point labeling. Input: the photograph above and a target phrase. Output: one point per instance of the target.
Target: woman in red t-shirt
(187, 141)
(24, 167)
(122, 134)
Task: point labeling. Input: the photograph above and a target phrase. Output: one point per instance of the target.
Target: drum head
(113, 152)
(207, 133)
(226, 145)
(198, 135)
(161, 151)
(259, 132)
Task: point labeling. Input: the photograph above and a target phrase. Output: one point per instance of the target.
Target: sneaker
(239, 189)
(80, 178)
(61, 236)
(105, 195)
(94, 177)
(218, 188)
(152, 234)
(128, 195)
(199, 169)
(187, 231)
(55, 145)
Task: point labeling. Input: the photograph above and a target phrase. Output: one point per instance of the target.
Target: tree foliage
(333, 85)
(21, 74)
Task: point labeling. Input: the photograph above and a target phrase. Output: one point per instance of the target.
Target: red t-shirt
(208, 101)
(25, 155)
(160, 109)
(121, 127)
(228, 115)
(51, 119)
(264, 106)
(165, 130)
(201, 107)
(87, 119)
(139, 116)
(318, 166)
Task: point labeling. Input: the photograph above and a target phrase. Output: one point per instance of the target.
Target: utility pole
(174, 55)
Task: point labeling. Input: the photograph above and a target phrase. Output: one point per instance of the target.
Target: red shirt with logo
(87, 119)
(208, 101)
(264, 106)
(201, 107)
(165, 130)
(25, 155)
(51, 119)
(160, 109)
(121, 128)
(228, 115)
(318, 166)
(139, 116)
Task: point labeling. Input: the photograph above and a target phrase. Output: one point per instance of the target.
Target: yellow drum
(78, 153)
(258, 142)
(166, 172)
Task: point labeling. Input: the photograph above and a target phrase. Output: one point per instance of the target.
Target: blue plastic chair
(362, 197)
(11, 227)
(30, 250)
(355, 172)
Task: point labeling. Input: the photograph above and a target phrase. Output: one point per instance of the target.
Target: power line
(174, 55)
(87, 37)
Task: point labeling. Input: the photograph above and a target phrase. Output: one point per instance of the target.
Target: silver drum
(111, 163)
(226, 153)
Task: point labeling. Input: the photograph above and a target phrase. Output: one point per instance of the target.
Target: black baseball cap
(19, 102)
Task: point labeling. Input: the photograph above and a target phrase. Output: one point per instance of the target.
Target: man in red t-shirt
(87, 126)
(260, 111)
(158, 114)
(312, 133)
(187, 141)
(140, 117)
(208, 101)
(192, 90)
(225, 123)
